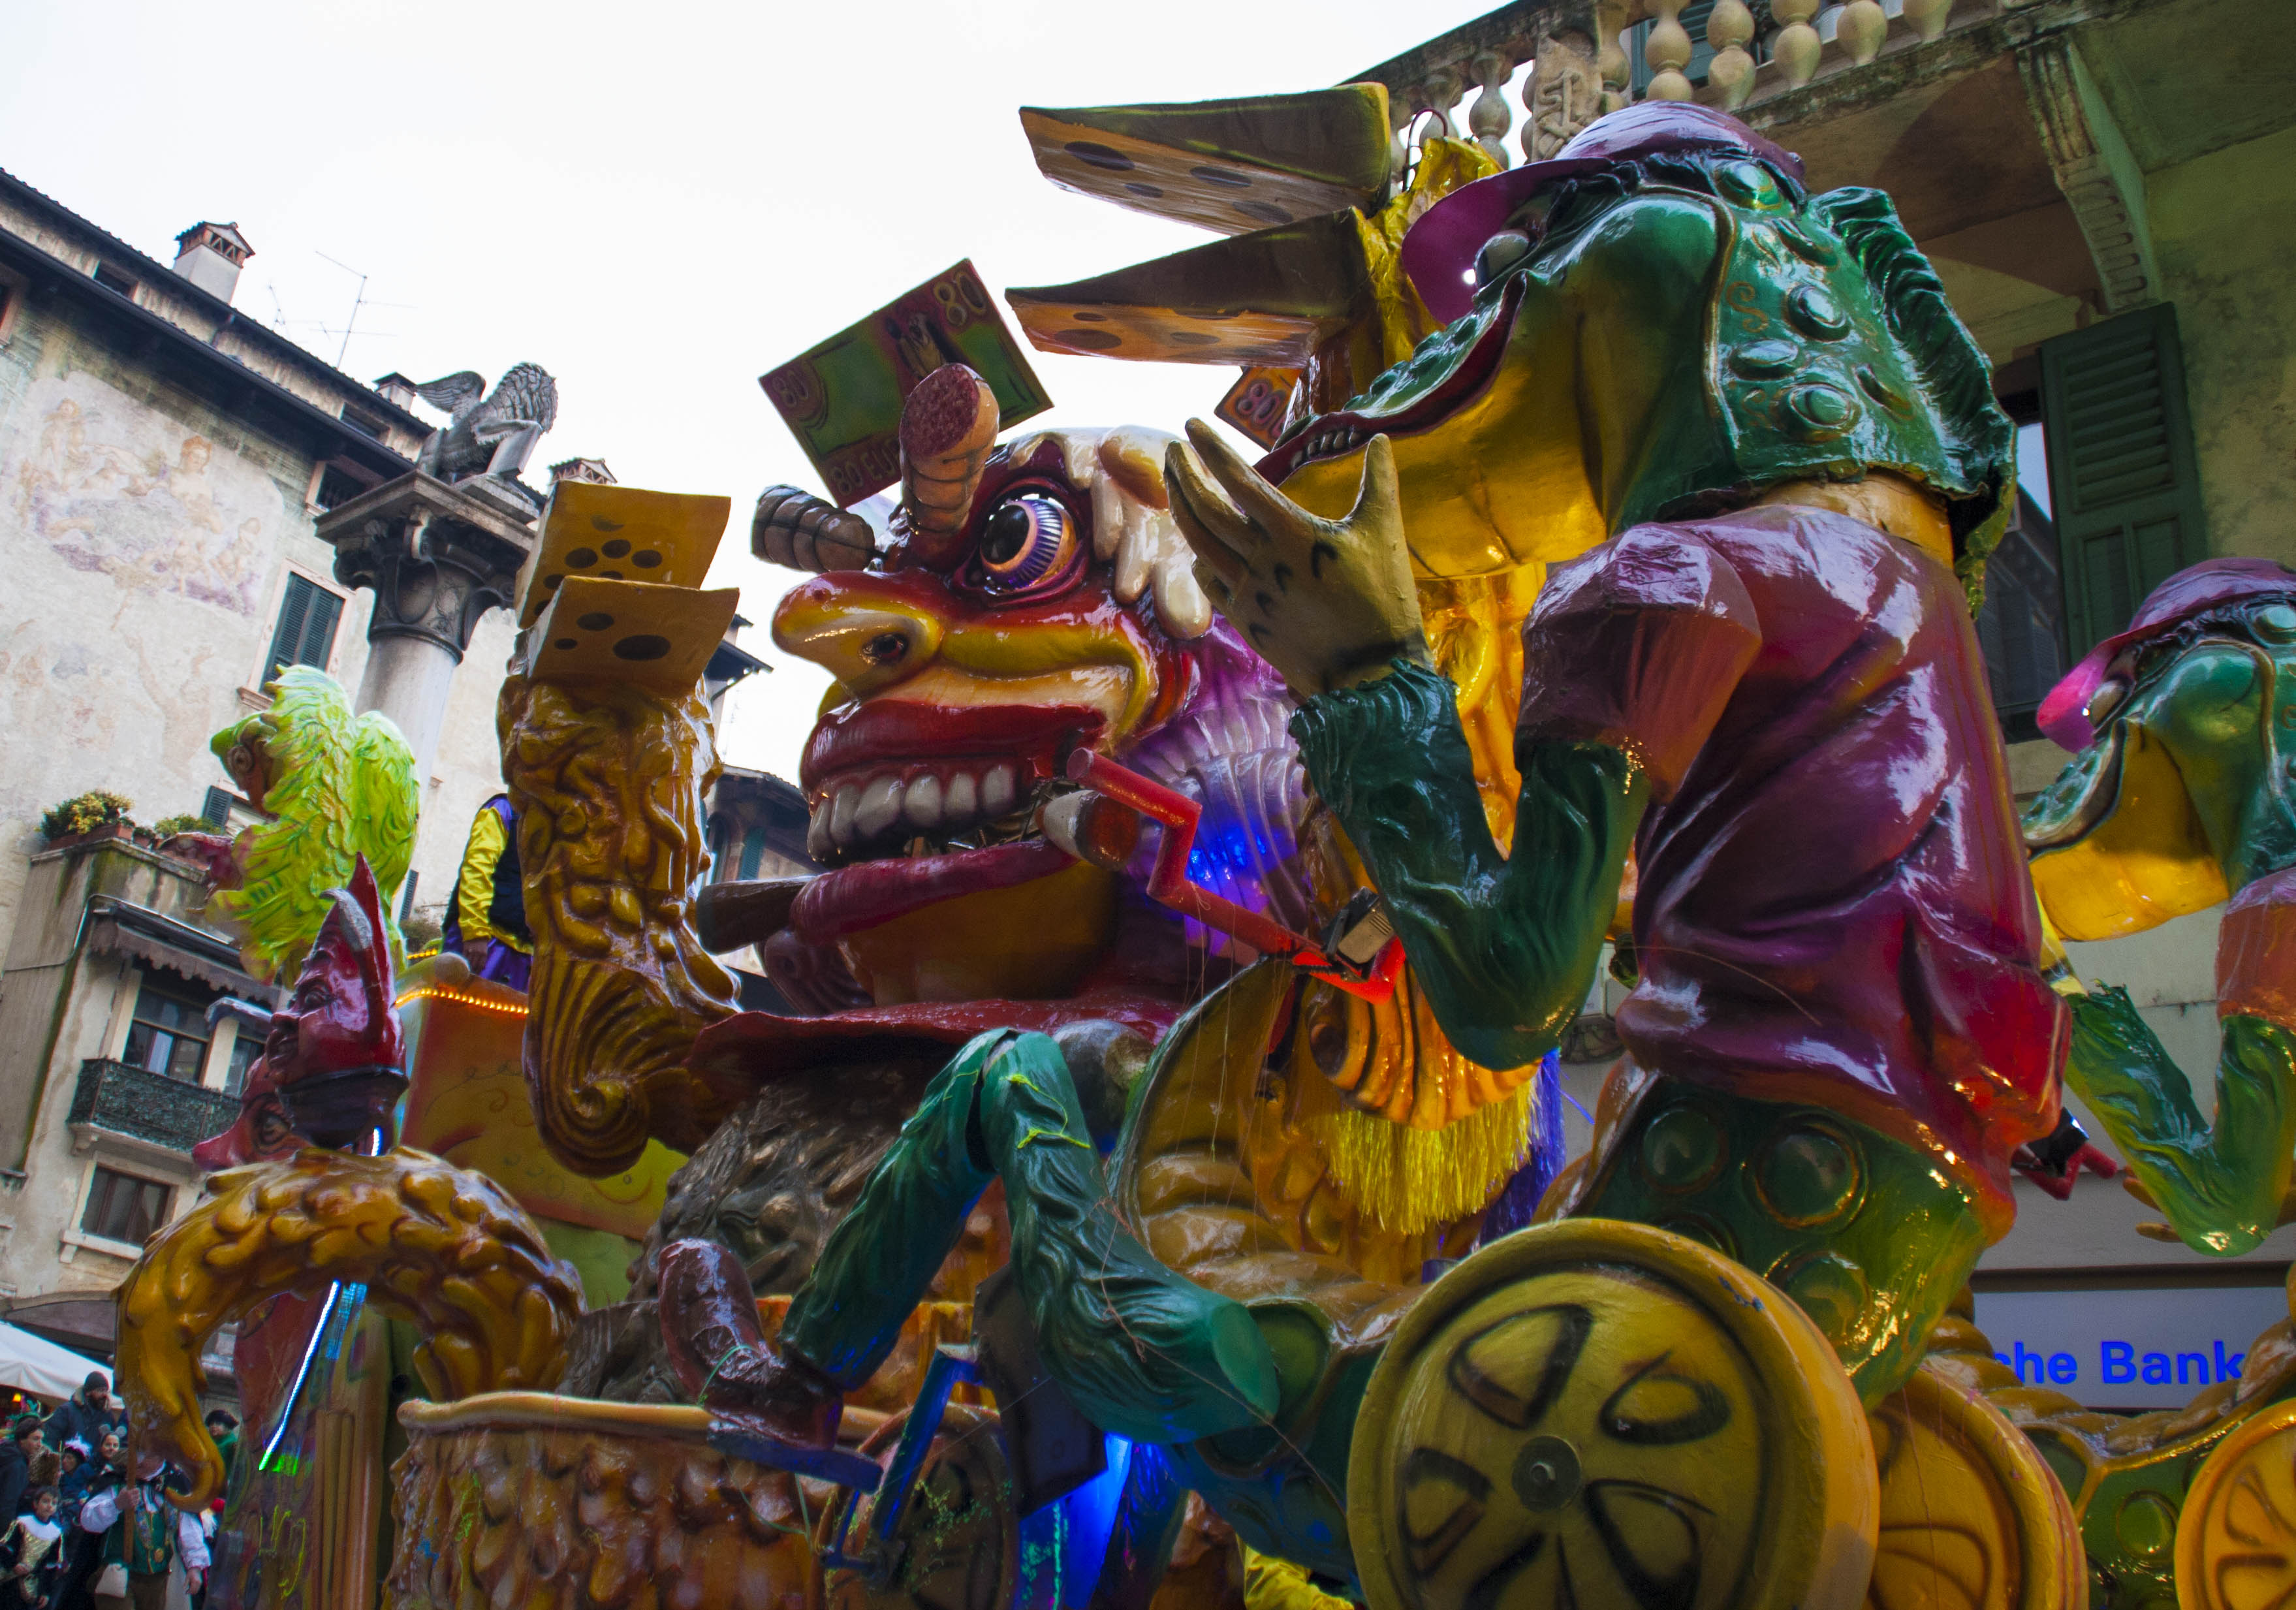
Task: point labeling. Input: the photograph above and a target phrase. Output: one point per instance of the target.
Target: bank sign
(2148, 1349)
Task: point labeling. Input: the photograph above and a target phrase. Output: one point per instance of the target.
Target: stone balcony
(1568, 60)
(114, 1099)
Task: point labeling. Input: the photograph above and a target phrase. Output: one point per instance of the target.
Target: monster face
(1060, 615)
(332, 1056)
(2179, 799)
(335, 1049)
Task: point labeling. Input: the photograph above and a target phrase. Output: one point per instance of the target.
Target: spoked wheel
(955, 1544)
(1972, 1518)
(1609, 1416)
(2237, 1534)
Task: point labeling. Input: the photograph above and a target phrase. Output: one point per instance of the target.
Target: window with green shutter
(2121, 471)
(305, 632)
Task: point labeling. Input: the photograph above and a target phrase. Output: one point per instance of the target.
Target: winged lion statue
(487, 433)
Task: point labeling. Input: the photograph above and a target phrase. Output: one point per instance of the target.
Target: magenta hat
(2064, 715)
(1439, 254)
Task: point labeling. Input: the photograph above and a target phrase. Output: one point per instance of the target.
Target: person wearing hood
(16, 1457)
(91, 1412)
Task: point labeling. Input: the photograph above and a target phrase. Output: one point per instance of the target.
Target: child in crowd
(32, 1554)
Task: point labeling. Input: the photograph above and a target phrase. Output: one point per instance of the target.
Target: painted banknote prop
(842, 399)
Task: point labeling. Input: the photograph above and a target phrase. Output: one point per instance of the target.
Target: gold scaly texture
(445, 1250)
(608, 780)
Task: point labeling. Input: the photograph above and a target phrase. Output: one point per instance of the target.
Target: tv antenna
(359, 301)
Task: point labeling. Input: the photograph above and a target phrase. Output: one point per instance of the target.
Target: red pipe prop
(1169, 884)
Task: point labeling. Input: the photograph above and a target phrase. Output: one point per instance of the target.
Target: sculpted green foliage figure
(335, 786)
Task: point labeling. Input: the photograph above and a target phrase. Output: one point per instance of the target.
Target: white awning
(43, 1370)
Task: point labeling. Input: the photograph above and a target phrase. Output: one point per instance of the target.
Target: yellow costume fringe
(1405, 1179)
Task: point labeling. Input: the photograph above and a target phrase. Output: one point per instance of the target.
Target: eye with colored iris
(1027, 542)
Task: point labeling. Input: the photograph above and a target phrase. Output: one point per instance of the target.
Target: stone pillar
(437, 558)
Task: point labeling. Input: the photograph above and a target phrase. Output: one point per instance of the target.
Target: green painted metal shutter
(2122, 475)
(306, 634)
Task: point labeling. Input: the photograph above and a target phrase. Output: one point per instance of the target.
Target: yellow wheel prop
(2237, 1535)
(1609, 1416)
(1972, 1519)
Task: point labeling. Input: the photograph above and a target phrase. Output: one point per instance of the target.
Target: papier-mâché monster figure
(1045, 607)
(1832, 1055)
(335, 786)
(2177, 798)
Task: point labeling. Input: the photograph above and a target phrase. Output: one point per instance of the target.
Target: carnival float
(1162, 1145)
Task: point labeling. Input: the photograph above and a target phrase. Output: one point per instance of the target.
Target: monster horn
(796, 530)
(948, 424)
(375, 960)
(372, 949)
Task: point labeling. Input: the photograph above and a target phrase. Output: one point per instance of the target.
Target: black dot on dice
(596, 621)
(644, 645)
(614, 549)
(581, 559)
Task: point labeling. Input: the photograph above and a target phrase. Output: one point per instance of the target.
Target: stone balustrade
(1569, 61)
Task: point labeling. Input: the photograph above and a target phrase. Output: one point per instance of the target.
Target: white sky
(657, 203)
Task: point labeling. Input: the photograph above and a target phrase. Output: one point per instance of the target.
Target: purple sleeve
(1638, 643)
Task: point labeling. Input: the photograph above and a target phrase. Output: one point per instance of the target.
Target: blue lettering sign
(2118, 1361)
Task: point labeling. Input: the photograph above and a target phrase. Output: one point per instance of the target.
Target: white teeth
(961, 803)
(997, 792)
(922, 804)
(857, 813)
(879, 807)
(1062, 820)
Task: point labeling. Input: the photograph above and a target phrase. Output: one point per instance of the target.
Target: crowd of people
(83, 1530)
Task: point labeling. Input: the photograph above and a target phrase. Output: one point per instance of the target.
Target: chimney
(211, 255)
(582, 469)
(397, 389)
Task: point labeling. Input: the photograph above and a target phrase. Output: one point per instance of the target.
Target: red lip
(862, 896)
(1336, 435)
(901, 732)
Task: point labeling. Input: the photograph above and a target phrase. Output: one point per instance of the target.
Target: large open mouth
(2084, 794)
(915, 803)
(1328, 436)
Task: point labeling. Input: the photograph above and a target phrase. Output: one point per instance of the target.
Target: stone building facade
(163, 460)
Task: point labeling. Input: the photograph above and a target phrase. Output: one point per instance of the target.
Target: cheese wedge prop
(623, 534)
(660, 638)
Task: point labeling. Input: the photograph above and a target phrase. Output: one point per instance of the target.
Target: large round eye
(2110, 694)
(1500, 253)
(1027, 541)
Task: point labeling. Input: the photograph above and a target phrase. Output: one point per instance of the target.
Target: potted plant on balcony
(87, 819)
(157, 836)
